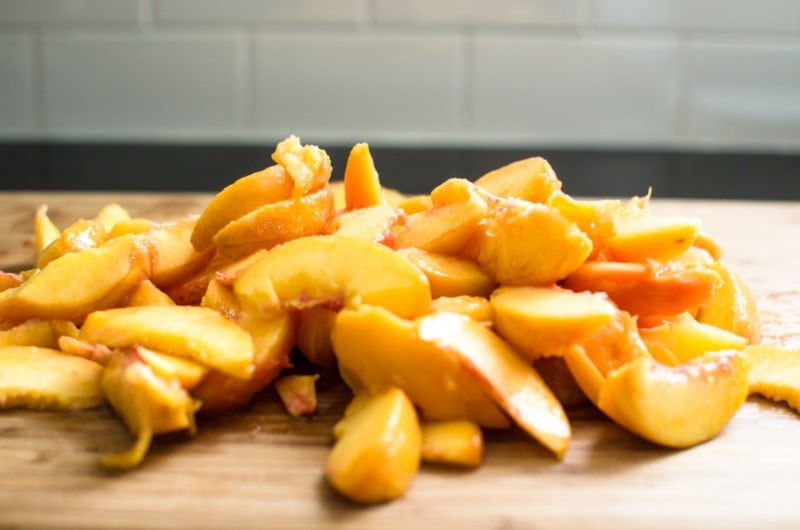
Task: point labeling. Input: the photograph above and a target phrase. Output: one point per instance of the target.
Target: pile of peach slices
(480, 305)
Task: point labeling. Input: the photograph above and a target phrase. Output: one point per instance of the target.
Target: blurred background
(692, 97)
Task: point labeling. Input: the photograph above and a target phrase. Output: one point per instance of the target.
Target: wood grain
(262, 469)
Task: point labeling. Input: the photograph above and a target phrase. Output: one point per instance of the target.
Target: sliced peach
(146, 403)
(642, 237)
(80, 235)
(195, 332)
(175, 259)
(35, 332)
(362, 187)
(531, 179)
(9, 280)
(732, 306)
(450, 275)
(775, 373)
(677, 406)
(320, 270)
(511, 382)
(646, 288)
(475, 307)
(372, 223)
(44, 229)
(594, 218)
(706, 241)
(414, 204)
(377, 349)
(449, 225)
(314, 335)
(454, 442)
(191, 290)
(378, 450)
(555, 372)
(521, 243)
(131, 227)
(307, 165)
(98, 353)
(79, 282)
(146, 293)
(188, 373)
(111, 214)
(248, 193)
(685, 338)
(276, 223)
(544, 321)
(298, 394)
(42, 378)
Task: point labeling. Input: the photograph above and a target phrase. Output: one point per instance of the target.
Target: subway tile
(17, 85)
(749, 94)
(259, 11)
(154, 83)
(356, 85)
(722, 15)
(479, 12)
(567, 90)
(68, 11)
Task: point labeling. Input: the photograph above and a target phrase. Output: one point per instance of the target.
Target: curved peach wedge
(199, 333)
(642, 237)
(775, 373)
(174, 256)
(677, 406)
(362, 187)
(372, 223)
(378, 450)
(338, 271)
(732, 306)
(686, 338)
(450, 275)
(455, 443)
(531, 179)
(544, 321)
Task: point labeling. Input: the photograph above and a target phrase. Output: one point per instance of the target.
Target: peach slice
(531, 179)
(378, 450)
(276, 223)
(43, 333)
(146, 403)
(458, 208)
(377, 349)
(775, 373)
(677, 406)
(362, 187)
(174, 256)
(186, 372)
(80, 235)
(732, 306)
(318, 270)
(307, 165)
(93, 352)
(191, 290)
(42, 378)
(146, 293)
(475, 307)
(44, 229)
(9, 280)
(685, 338)
(248, 193)
(414, 204)
(450, 275)
(79, 282)
(298, 394)
(372, 223)
(111, 214)
(594, 218)
(314, 335)
(454, 442)
(198, 333)
(646, 289)
(544, 321)
(511, 382)
(131, 227)
(642, 237)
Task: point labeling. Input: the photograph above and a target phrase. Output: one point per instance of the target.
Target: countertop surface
(262, 469)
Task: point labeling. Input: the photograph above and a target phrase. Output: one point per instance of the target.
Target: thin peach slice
(378, 450)
(198, 333)
(775, 373)
(337, 271)
(307, 165)
(42, 378)
(44, 229)
(531, 179)
(111, 214)
(377, 349)
(248, 193)
(276, 223)
(544, 321)
(362, 187)
(191, 290)
(642, 237)
(454, 443)
(35, 332)
(450, 275)
(686, 338)
(678, 406)
(298, 394)
(732, 306)
(80, 235)
(174, 257)
(186, 372)
(146, 293)
(646, 289)
(477, 308)
(78, 283)
(512, 382)
(372, 223)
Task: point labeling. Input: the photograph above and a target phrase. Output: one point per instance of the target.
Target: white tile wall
(356, 85)
(18, 96)
(574, 90)
(723, 73)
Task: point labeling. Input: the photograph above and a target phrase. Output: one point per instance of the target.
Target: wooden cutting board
(261, 469)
